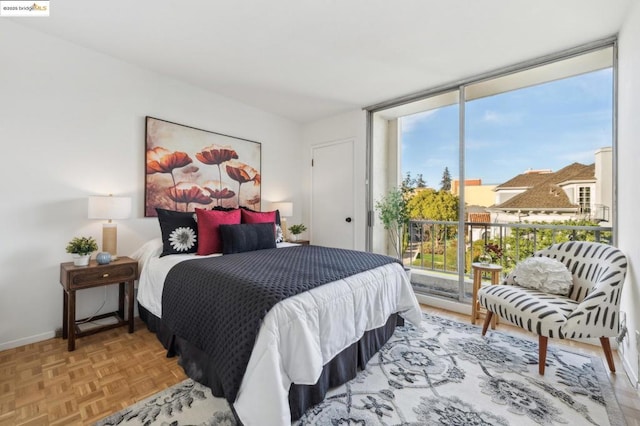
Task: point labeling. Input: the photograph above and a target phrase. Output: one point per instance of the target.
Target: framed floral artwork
(188, 168)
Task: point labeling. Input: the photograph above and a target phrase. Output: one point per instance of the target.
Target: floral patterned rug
(446, 375)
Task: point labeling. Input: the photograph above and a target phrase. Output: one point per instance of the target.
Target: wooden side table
(302, 242)
(123, 271)
(478, 270)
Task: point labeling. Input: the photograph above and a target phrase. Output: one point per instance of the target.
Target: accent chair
(591, 308)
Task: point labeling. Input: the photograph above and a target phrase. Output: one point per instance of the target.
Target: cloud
(410, 122)
(595, 85)
(502, 118)
(475, 144)
(581, 145)
(583, 157)
(600, 116)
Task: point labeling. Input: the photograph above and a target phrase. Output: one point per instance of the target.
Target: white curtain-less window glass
(538, 153)
(537, 165)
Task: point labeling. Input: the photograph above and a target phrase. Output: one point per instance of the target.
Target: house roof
(544, 190)
(524, 180)
(484, 217)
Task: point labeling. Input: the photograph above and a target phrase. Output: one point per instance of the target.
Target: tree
(434, 205)
(445, 183)
(408, 183)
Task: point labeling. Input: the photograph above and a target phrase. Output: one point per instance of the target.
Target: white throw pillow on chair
(544, 274)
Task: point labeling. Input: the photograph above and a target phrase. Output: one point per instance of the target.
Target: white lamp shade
(109, 207)
(285, 208)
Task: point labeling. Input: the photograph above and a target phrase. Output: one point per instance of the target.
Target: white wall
(350, 125)
(72, 125)
(384, 169)
(628, 195)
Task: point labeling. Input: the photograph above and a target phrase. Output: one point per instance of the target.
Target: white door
(332, 193)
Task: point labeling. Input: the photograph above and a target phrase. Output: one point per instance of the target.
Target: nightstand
(123, 271)
(302, 242)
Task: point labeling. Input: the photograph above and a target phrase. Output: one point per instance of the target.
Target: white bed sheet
(300, 334)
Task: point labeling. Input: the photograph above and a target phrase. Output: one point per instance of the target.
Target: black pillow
(223, 209)
(179, 232)
(247, 237)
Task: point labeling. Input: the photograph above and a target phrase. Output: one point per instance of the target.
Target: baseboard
(442, 303)
(27, 340)
(633, 378)
(39, 337)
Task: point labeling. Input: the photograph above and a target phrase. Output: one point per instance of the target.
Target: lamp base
(110, 239)
(283, 227)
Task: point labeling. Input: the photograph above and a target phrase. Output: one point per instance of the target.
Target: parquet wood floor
(43, 384)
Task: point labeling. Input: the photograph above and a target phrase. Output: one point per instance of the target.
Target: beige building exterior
(476, 194)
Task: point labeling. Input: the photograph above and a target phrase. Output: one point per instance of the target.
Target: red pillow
(209, 221)
(258, 217)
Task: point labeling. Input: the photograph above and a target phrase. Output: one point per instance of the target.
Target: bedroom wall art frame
(186, 167)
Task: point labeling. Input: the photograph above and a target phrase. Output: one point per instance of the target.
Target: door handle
(348, 220)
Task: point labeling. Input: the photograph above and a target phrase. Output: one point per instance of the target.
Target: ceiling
(309, 59)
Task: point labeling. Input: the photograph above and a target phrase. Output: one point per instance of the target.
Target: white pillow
(150, 249)
(279, 234)
(544, 274)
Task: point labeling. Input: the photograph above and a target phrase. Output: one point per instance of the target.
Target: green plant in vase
(492, 254)
(81, 248)
(392, 211)
(295, 230)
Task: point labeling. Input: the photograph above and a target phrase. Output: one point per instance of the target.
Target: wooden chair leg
(604, 341)
(542, 354)
(487, 321)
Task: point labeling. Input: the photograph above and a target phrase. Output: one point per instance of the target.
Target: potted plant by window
(393, 213)
(81, 248)
(295, 230)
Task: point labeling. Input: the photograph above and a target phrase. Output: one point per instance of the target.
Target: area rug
(444, 374)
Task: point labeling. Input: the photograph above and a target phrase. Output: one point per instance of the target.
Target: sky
(547, 126)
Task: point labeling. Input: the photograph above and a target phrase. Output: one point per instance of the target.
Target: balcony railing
(432, 247)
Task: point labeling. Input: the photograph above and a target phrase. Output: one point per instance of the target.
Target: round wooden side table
(478, 270)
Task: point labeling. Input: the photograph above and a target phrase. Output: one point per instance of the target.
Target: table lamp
(286, 210)
(109, 208)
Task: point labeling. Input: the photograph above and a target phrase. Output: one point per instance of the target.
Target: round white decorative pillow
(544, 274)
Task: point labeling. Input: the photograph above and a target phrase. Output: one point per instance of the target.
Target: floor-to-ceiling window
(506, 164)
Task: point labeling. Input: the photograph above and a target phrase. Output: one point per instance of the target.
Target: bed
(305, 344)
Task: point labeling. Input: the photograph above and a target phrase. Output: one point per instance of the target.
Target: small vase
(485, 258)
(103, 258)
(293, 238)
(81, 259)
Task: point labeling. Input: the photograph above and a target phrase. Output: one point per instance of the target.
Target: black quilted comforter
(218, 303)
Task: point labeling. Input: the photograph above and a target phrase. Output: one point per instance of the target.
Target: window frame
(401, 103)
(401, 106)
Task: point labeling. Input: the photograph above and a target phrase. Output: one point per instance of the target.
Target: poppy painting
(188, 168)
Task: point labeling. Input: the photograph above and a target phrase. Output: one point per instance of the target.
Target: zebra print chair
(591, 309)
